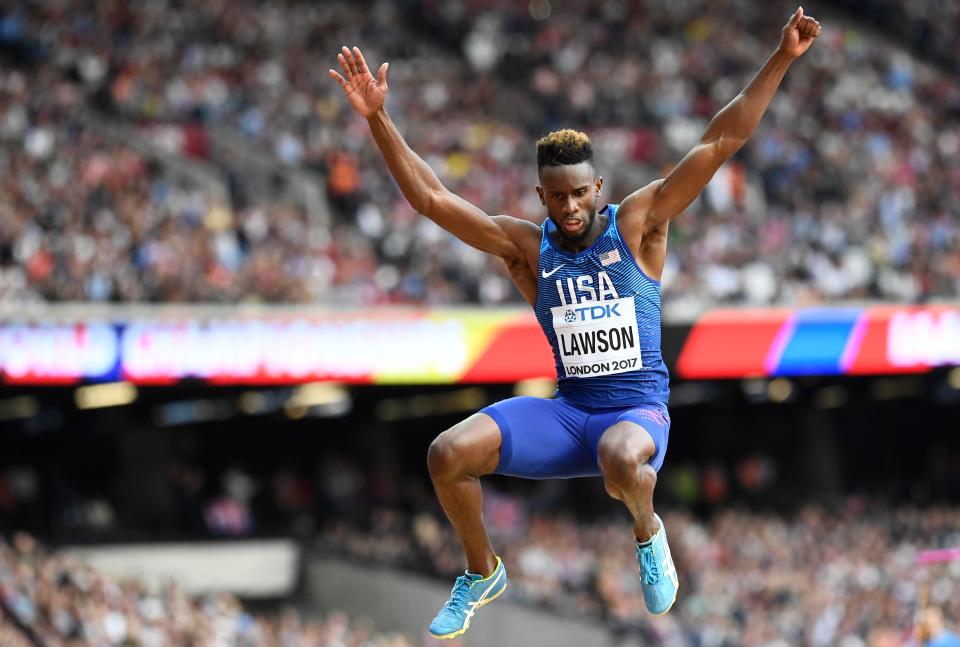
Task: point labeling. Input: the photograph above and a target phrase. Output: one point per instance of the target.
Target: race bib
(598, 337)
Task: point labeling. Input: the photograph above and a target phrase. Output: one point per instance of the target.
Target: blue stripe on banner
(818, 342)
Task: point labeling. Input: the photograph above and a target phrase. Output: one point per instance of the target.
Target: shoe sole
(463, 630)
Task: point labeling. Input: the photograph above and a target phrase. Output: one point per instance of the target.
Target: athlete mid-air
(593, 280)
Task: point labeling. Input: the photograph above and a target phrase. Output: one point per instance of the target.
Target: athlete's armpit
(634, 213)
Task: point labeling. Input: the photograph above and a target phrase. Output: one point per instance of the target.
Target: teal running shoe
(659, 575)
(470, 592)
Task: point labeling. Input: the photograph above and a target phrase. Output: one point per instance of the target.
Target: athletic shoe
(657, 572)
(469, 593)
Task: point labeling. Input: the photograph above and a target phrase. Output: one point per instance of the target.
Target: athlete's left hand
(799, 34)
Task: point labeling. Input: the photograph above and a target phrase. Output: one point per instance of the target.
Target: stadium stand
(803, 573)
(846, 192)
(197, 152)
(816, 577)
(64, 603)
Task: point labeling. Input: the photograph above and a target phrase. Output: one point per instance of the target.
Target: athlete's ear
(599, 184)
(543, 200)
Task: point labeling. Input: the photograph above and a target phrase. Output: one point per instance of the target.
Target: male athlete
(593, 280)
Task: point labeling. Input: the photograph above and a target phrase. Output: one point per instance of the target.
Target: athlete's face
(570, 194)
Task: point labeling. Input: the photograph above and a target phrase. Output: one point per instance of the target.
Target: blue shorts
(554, 438)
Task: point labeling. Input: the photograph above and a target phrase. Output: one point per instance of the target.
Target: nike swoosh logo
(545, 274)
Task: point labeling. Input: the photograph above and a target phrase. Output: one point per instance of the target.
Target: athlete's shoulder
(523, 233)
(634, 213)
(637, 205)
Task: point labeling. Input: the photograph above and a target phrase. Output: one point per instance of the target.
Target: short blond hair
(562, 147)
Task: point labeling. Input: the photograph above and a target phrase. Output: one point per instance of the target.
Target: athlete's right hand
(366, 94)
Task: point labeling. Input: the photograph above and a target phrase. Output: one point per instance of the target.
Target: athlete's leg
(623, 453)
(457, 459)
(630, 448)
(545, 446)
(629, 452)
(526, 437)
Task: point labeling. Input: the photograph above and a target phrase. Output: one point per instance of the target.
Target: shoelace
(459, 595)
(651, 570)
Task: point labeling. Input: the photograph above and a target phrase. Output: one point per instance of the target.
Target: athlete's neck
(597, 227)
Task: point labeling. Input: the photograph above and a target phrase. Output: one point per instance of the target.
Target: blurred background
(226, 341)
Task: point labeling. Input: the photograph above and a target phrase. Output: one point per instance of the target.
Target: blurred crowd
(192, 500)
(839, 575)
(819, 578)
(848, 190)
(84, 217)
(760, 565)
(60, 602)
(813, 578)
(928, 28)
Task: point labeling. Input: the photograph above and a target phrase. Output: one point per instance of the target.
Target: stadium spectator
(931, 632)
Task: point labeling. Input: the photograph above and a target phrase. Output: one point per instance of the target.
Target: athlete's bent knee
(444, 460)
(624, 465)
(471, 448)
(627, 478)
(622, 472)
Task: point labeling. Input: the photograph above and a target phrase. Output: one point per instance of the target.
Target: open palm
(365, 93)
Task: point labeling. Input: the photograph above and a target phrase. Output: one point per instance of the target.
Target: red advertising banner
(821, 341)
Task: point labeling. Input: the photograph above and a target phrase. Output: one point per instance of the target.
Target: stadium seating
(845, 192)
(60, 602)
(844, 577)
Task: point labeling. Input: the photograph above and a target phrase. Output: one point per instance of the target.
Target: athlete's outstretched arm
(729, 129)
(419, 184)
